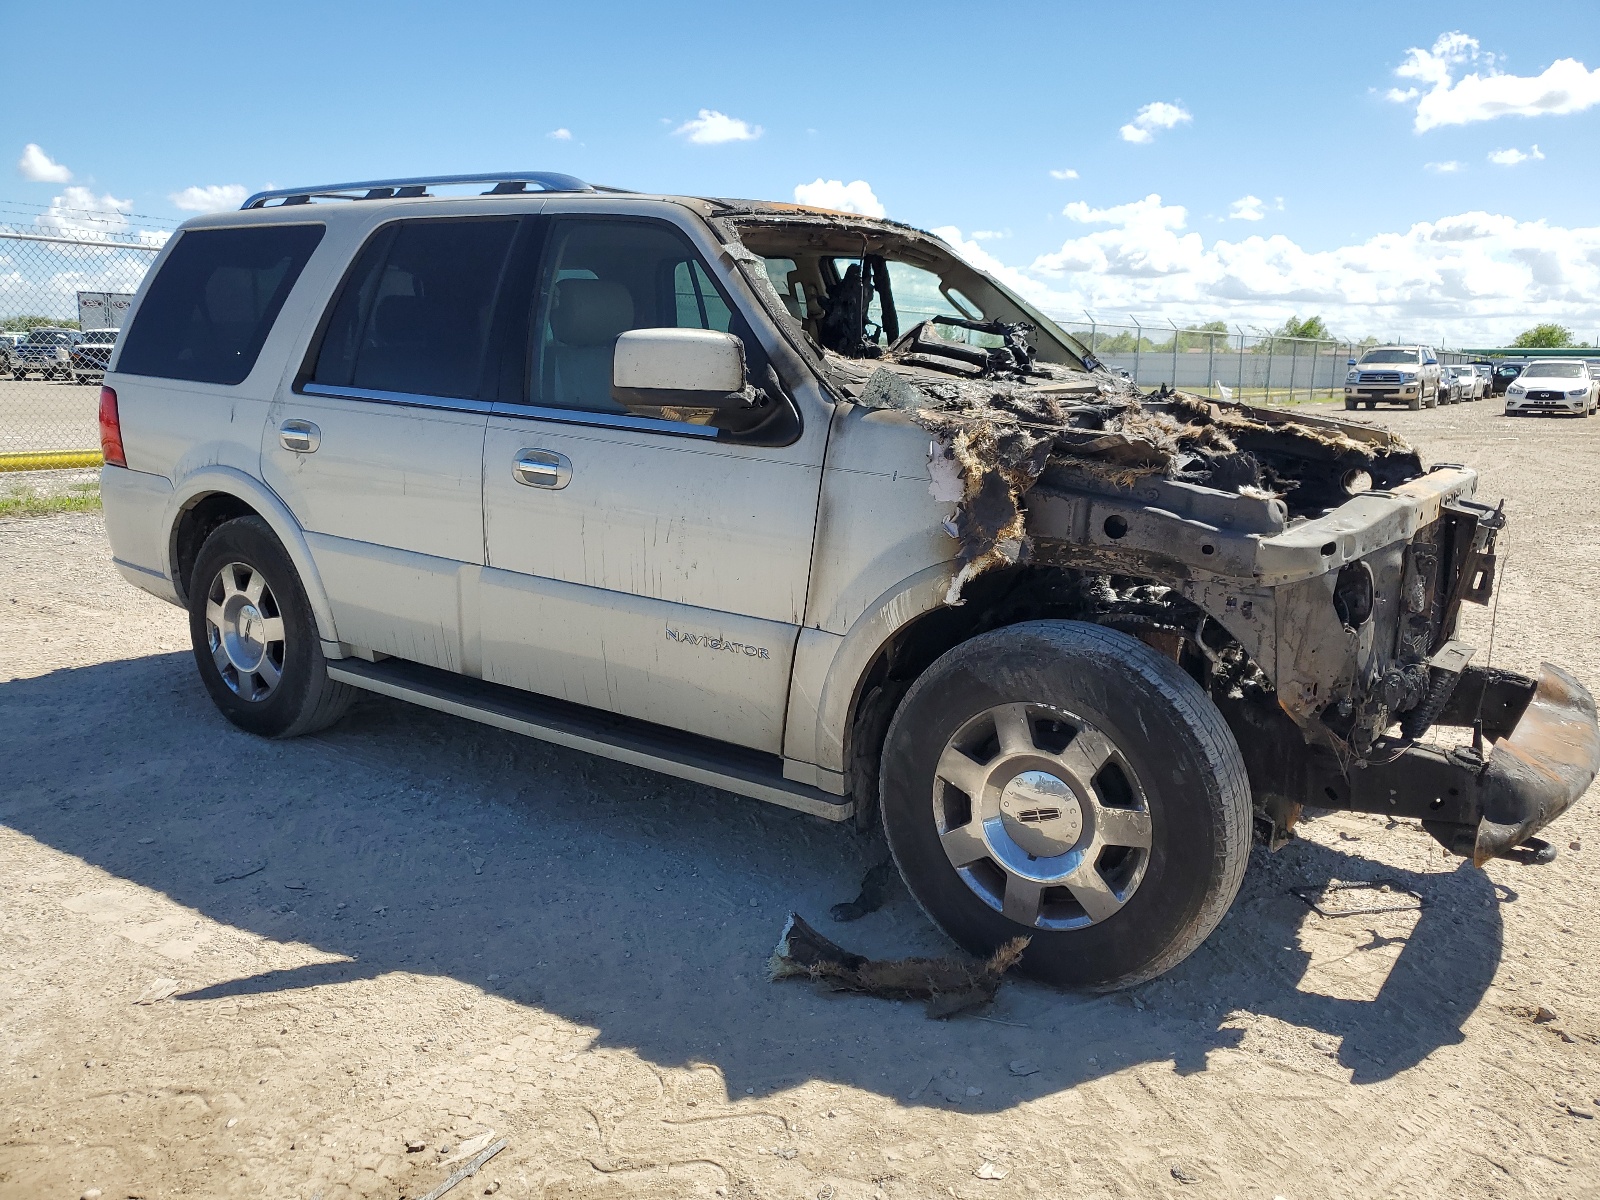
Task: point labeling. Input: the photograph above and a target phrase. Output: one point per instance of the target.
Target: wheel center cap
(247, 644)
(1041, 814)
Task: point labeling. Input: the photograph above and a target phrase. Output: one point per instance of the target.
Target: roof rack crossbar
(503, 183)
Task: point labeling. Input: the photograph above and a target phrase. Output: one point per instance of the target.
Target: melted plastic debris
(947, 985)
(1005, 434)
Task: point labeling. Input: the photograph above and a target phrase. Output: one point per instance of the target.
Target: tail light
(111, 430)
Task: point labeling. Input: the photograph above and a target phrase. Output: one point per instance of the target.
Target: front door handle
(542, 469)
(300, 436)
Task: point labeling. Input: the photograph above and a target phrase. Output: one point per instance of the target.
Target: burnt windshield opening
(860, 291)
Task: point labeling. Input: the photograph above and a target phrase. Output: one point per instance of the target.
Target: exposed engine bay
(1308, 572)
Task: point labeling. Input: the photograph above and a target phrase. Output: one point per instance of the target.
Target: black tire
(1349, 405)
(1179, 749)
(1372, 406)
(303, 699)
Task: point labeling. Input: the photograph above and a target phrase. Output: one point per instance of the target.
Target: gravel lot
(38, 414)
(400, 935)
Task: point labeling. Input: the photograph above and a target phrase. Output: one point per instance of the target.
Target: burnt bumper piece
(1546, 752)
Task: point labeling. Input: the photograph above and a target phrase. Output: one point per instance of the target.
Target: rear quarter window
(207, 314)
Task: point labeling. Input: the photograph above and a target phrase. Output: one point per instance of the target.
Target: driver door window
(604, 278)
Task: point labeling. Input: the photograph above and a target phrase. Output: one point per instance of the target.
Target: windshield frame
(883, 238)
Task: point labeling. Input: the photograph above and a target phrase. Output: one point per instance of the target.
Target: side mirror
(678, 369)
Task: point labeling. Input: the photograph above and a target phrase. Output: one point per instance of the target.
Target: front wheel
(255, 640)
(1064, 782)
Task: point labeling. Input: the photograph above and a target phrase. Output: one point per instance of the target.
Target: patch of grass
(31, 504)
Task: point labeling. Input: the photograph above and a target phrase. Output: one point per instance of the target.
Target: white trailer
(103, 310)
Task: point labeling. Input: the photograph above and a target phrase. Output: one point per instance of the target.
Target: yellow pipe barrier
(48, 460)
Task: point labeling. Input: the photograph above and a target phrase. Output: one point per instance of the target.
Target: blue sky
(952, 120)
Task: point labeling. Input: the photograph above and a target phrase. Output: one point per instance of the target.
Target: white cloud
(711, 128)
(79, 211)
(854, 197)
(1476, 276)
(989, 235)
(560, 135)
(1150, 118)
(1446, 97)
(37, 167)
(216, 197)
(1513, 156)
(1445, 168)
(1246, 208)
(1064, 173)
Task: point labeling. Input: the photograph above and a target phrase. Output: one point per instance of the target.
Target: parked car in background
(89, 357)
(1463, 382)
(1553, 385)
(1505, 374)
(1406, 375)
(45, 352)
(8, 350)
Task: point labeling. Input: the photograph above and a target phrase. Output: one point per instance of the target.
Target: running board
(638, 743)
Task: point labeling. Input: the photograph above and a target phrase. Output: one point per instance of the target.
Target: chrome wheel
(1041, 816)
(244, 630)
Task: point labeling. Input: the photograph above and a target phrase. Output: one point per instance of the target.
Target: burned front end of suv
(1326, 632)
(1309, 573)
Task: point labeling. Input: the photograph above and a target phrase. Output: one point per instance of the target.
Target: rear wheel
(1066, 783)
(255, 640)
(1415, 403)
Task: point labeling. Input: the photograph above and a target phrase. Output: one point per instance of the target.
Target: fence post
(1272, 350)
(1241, 364)
(1138, 346)
(1294, 362)
(1211, 360)
(1174, 354)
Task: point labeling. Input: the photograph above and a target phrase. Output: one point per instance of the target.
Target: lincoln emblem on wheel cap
(1038, 816)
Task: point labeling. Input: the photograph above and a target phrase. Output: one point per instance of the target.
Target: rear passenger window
(210, 309)
(414, 314)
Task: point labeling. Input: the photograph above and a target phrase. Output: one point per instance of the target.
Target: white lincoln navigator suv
(798, 504)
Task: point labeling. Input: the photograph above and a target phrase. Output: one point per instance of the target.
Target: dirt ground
(392, 938)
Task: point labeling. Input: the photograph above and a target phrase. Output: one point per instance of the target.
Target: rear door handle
(542, 469)
(300, 436)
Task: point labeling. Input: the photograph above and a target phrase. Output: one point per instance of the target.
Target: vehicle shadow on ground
(644, 907)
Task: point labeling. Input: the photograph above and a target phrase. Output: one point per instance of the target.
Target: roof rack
(506, 183)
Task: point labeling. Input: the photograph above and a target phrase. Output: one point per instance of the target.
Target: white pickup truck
(797, 504)
(1406, 375)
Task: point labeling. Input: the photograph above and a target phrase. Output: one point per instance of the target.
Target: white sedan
(1553, 385)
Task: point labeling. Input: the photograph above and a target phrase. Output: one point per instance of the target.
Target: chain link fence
(62, 294)
(1257, 367)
